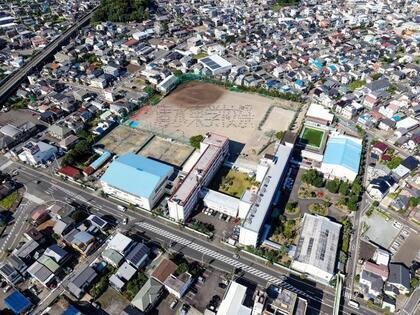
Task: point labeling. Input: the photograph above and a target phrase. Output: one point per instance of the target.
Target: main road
(215, 254)
(13, 81)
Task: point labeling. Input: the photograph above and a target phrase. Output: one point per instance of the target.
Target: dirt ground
(277, 119)
(170, 152)
(196, 108)
(112, 301)
(124, 139)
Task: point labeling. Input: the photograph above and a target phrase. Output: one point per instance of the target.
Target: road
(9, 85)
(214, 253)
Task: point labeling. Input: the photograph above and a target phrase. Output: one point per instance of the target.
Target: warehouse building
(137, 180)
(213, 150)
(271, 173)
(342, 158)
(215, 64)
(316, 250)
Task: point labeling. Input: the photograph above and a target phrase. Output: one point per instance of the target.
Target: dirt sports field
(196, 108)
(167, 151)
(125, 139)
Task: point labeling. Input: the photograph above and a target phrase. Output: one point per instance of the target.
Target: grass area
(155, 99)
(312, 137)
(319, 209)
(356, 84)
(8, 201)
(200, 55)
(232, 182)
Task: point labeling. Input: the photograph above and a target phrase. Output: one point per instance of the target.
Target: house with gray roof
(399, 277)
(81, 281)
(148, 295)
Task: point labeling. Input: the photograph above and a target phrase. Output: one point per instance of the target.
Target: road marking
(279, 281)
(33, 198)
(6, 165)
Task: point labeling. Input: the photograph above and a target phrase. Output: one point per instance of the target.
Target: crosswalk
(53, 188)
(278, 281)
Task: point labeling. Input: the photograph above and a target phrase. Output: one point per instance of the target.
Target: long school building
(213, 150)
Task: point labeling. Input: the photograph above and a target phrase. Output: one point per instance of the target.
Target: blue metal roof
(135, 174)
(71, 310)
(343, 151)
(17, 302)
(100, 160)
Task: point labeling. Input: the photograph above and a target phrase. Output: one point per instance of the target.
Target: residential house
(80, 282)
(399, 277)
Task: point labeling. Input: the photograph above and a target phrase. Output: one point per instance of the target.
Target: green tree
(414, 202)
(395, 162)
(195, 141)
(344, 188)
(313, 177)
(183, 267)
(332, 185)
(279, 135)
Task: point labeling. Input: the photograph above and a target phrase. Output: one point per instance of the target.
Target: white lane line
(211, 253)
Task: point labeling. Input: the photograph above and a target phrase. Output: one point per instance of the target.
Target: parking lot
(209, 292)
(408, 247)
(224, 226)
(381, 231)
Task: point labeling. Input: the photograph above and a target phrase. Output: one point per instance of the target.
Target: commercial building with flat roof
(232, 303)
(137, 180)
(213, 150)
(215, 64)
(270, 173)
(317, 247)
(342, 157)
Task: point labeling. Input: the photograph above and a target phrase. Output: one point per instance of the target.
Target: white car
(125, 221)
(405, 233)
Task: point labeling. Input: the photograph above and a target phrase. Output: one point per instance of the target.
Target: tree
(395, 162)
(183, 267)
(352, 203)
(312, 177)
(332, 185)
(291, 207)
(414, 202)
(279, 135)
(356, 188)
(123, 10)
(195, 141)
(344, 188)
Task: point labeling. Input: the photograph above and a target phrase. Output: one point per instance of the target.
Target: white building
(232, 303)
(168, 84)
(37, 153)
(225, 204)
(342, 158)
(215, 64)
(214, 149)
(317, 247)
(136, 180)
(319, 115)
(270, 173)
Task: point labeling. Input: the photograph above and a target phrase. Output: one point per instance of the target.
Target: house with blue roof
(136, 180)
(342, 158)
(17, 303)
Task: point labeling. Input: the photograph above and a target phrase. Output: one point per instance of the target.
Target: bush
(122, 11)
